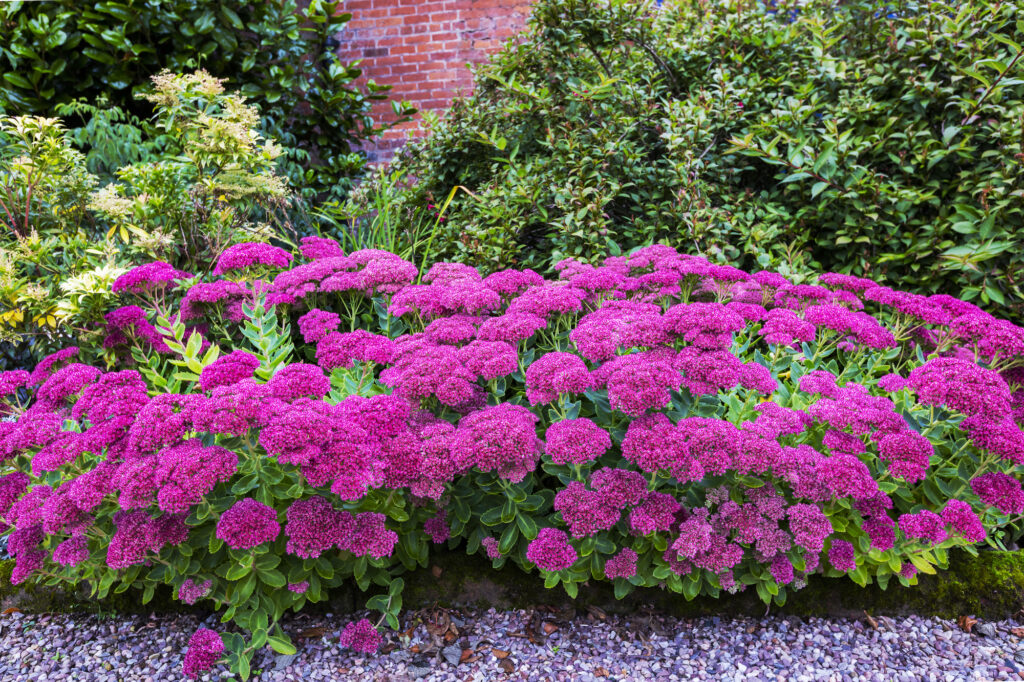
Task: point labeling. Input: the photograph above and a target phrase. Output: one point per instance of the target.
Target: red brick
(444, 16)
(422, 47)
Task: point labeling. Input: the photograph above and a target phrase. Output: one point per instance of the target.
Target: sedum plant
(656, 421)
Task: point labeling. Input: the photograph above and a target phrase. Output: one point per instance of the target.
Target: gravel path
(535, 646)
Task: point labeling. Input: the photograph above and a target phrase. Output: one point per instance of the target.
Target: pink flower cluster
(251, 254)
(361, 636)
(247, 524)
(314, 526)
(551, 550)
(630, 371)
(204, 650)
(146, 278)
(362, 273)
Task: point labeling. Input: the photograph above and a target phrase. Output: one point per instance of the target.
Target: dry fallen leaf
(388, 648)
(436, 570)
(1017, 632)
(11, 610)
(310, 633)
(597, 613)
(871, 621)
(415, 648)
(449, 637)
(550, 628)
(966, 623)
(466, 654)
(602, 672)
(438, 621)
(506, 665)
(499, 653)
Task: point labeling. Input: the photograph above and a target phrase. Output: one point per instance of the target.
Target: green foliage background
(880, 139)
(277, 54)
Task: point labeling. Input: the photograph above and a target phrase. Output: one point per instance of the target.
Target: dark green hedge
(280, 56)
(876, 138)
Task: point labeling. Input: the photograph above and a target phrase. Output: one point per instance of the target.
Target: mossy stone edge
(989, 586)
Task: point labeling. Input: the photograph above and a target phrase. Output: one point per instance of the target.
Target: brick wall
(421, 47)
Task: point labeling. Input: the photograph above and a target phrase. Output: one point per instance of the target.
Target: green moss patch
(989, 586)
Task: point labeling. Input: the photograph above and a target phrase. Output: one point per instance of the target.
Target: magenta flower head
(619, 325)
(965, 523)
(337, 349)
(511, 282)
(907, 453)
(228, 369)
(846, 282)
(316, 324)
(961, 385)
(437, 528)
(924, 525)
(145, 278)
(782, 569)
(250, 254)
(489, 359)
(297, 380)
(314, 526)
(619, 488)
(299, 588)
(809, 526)
(995, 489)
(656, 512)
(639, 382)
(548, 299)
(622, 565)
(490, 545)
(66, 383)
(361, 636)
(783, 327)
(500, 438)
(12, 380)
(72, 551)
(316, 248)
(841, 556)
(453, 330)
(512, 327)
(705, 325)
(49, 364)
(204, 650)
(190, 591)
(551, 550)
(891, 383)
(575, 441)
(584, 511)
(14, 485)
(186, 472)
(555, 373)
(247, 524)
(768, 279)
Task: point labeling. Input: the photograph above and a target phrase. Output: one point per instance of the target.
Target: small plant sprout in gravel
(285, 426)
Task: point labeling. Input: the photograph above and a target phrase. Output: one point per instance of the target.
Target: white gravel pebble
(530, 646)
